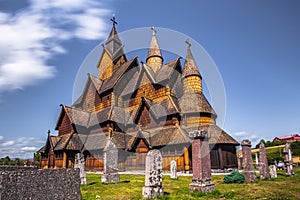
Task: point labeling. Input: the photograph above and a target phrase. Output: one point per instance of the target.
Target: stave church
(139, 106)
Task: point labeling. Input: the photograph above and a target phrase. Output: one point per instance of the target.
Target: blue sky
(255, 45)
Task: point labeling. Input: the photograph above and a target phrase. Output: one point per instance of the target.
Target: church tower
(154, 59)
(192, 79)
(112, 55)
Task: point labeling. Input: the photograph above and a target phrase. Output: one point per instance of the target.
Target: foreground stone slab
(28, 183)
(153, 178)
(202, 180)
(79, 163)
(250, 175)
(273, 172)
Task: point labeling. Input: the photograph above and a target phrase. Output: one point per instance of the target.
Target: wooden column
(64, 164)
(186, 159)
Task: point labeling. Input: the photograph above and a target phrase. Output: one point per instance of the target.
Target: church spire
(113, 54)
(154, 59)
(192, 79)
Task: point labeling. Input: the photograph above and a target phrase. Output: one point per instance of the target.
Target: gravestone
(263, 162)
(153, 178)
(250, 175)
(273, 172)
(110, 157)
(240, 162)
(202, 180)
(173, 169)
(288, 160)
(79, 163)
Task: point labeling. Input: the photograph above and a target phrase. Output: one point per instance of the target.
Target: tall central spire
(154, 59)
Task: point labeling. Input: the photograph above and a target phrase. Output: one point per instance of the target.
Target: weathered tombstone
(248, 172)
(240, 162)
(273, 172)
(263, 164)
(79, 163)
(153, 178)
(202, 180)
(288, 159)
(256, 160)
(173, 169)
(110, 157)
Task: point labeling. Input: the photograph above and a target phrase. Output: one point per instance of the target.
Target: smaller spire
(154, 59)
(190, 67)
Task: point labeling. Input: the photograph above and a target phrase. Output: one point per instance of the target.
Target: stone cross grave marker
(273, 172)
(263, 162)
(288, 159)
(250, 175)
(173, 169)
(79, 163)
(153, 178)
(110, 157)
(202, 180)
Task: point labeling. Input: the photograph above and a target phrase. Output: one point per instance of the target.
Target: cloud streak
(32, 36)
(23, 147)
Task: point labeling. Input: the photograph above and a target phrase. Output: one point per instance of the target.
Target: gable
(104, 65)
(65, 126)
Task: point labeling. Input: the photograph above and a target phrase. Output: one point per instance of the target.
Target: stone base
(152, 191)
(205, 186)
(110, 178)
(250, 176)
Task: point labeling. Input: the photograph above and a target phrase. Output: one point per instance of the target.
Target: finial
(153, 30)
(113, 19)
(188, 43)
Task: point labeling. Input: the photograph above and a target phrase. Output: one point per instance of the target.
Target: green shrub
(234, 177)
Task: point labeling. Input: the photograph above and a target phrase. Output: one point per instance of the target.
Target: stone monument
(202, 180)
(263, 162)
(288, 160)
(153, 178)
(173, 169)
(79, 163)
(273, 172)
(250, 175)
(110, 157)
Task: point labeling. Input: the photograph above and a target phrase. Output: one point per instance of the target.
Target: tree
(261, 141)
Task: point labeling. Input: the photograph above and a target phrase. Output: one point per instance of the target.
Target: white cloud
(28, 149)
(23, 147)
(241, 134)
(33, 35)
(8, 143)
(1, 137)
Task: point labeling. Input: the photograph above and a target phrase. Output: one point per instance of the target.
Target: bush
(234, 177)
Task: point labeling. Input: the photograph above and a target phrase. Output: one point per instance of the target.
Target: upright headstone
(173, 169)
(288, 159)
(263, 162)
(248, 172)
(273, 172)
(110, 157)
(256, 160)
(240, 162)
(79, 163)
(153, 178)
(202, 180)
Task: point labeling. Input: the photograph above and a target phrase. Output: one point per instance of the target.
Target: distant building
(154, 106)
(290, 138)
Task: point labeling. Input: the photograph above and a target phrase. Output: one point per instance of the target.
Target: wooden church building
(141, 106)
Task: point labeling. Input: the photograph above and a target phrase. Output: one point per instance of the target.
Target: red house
(290, 138)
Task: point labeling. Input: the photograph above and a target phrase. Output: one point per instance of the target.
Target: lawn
(130, 187)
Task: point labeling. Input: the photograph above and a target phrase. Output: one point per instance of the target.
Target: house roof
(195, 103)
(217, 135)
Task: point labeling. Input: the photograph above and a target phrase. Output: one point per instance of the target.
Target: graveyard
(130, 187)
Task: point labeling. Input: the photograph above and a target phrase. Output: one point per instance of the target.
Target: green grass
(130, 187)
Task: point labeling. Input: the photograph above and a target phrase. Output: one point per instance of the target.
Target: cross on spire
(188, 43)
(153, 30)
(113, 19)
